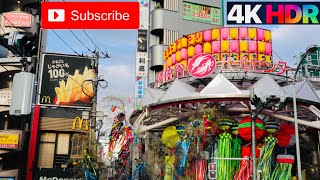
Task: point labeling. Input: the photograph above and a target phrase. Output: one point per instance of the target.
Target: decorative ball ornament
(245, 129)
(225, 123)
(286, 135)
(235, 127)
(272, 126)
(181, 129)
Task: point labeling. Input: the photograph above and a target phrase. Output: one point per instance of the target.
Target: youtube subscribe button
(90, 15)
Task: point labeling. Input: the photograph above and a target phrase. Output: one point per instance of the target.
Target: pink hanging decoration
(198, 49)
(260, 34)
(224, 33)
(243, 33)
(215, 46)
(252, 46)
(173, 59)
(268, 48)
(234, 46)
(184, 54)
(207, 35)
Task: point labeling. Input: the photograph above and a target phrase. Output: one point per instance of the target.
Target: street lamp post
(310, 49)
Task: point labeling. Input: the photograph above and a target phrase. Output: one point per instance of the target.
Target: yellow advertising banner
(9, 141)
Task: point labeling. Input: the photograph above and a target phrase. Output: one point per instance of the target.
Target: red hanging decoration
(286, 135)
(245, 129)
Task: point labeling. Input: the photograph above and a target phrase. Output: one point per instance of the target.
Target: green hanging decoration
(224, 151)
(264, 166)
(236, 149)
(283, 168)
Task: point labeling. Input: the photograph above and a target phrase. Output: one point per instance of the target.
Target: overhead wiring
(65, 43)
(81, 41)
(94, 43)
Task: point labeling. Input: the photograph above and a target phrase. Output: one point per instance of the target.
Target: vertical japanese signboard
(142, 66)
(65, 81)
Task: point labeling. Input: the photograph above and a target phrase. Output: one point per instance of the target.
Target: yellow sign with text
(9, 141)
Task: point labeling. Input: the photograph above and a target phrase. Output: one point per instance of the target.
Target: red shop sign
(17, 20)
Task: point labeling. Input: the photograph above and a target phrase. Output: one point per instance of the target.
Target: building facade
(19, 39)
(172, 19)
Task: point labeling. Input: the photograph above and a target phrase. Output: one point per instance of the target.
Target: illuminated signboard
(9, 141)
(201, 13)
(17, 19)
(237, 49)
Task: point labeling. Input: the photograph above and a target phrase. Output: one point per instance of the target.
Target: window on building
(170, 36)
(63, 144)
(172, 5)
(77, 141)
(46, 150)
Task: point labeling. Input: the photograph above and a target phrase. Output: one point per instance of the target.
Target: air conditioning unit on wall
(22, 94)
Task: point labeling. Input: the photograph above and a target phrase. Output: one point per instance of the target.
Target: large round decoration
(201, 65)
(170, 136)
(245, 129)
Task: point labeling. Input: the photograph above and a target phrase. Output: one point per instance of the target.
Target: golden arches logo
(45, 99)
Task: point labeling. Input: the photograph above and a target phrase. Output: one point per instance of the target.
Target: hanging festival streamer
(169, 161)
(264, 166)
(236, 149)
(224, 150)
(245, 170)
(283, 168)
(170, 137)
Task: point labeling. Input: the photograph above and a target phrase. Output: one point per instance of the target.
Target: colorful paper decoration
(165, 55)
(225, 46)
(264, 166)
(261, 47)
(198, 49)
(173, 59)
(283, 168)
(243, 33)
(252, 33)
(243, 46)
(164, 66)
(170, 137)
(191, 39)
(252, 46)
(224, 33)
(207, 35)
(191, 51)
(260, 35)
(178, 56)
(178, 44)
(268, 48)
(236, 149)
(215, 46)
(199, 37)
(234, 46)
(169, 162)
(184, 54)
(267, 35)
(184, 42)
(286, 135)
(169, 62)
(245, 129)
(184, 63)
(215, 34)
(233, 33)
(173, 48)
(207, 47)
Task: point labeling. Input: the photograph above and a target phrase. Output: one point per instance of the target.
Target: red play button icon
(56, 15)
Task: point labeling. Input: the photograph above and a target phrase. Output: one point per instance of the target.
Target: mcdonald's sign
(80, 122)
(46, 99)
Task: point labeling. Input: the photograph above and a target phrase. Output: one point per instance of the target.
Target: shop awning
(151, 96)
(220, 86)
(304, 90)
(266, 87)
(178, 89)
